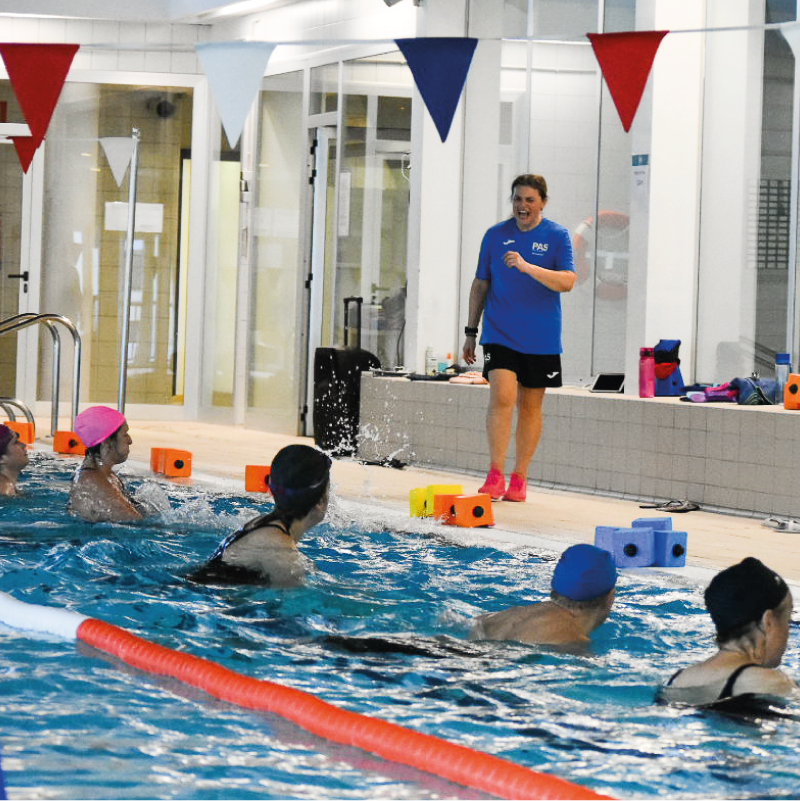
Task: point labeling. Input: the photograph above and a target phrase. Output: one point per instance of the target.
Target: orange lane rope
(388, 740)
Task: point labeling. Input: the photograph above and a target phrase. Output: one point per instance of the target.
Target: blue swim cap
(584, 572)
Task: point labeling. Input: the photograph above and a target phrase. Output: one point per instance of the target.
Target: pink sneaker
(517, 489)
(495, 484)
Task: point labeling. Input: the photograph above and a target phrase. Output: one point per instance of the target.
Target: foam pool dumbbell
(417, 501)
(791, 392)
(177, 464)
(656, 523)
(68, 442)
(432, 490)
(444, 508)
(256, 477)
(669, 548)
(629, 547)
(25, 431)
(157, 459)
(472, 511)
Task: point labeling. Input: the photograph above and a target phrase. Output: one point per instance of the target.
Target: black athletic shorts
(533, 370)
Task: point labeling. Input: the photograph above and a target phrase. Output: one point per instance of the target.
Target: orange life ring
(609, 284)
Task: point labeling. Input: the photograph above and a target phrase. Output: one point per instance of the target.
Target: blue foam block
(670, 548)
(630, 547)
(656, 523)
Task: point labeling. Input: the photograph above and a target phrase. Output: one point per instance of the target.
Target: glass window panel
(10, 226)
(324, 94)
(372, 205)
(222, 278)
(565, 19)
(85, 222)
(274, 342)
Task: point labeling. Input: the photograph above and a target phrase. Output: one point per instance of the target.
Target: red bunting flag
(37, 73)
(626, 59)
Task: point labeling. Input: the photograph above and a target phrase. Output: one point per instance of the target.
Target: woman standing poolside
(264, 550)
(13, 458)
(96, 493)
(751, 607)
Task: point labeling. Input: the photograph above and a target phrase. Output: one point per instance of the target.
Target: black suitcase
(337, 390)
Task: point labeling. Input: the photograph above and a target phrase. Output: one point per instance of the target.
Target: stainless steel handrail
(27, 319)
(6, 403)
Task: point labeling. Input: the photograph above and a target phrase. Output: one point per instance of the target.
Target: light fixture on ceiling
(395, 2)
(236, 9)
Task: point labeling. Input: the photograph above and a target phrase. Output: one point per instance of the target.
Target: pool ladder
(49, 321)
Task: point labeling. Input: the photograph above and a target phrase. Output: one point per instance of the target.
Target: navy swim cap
(584, 572)
(741, 594)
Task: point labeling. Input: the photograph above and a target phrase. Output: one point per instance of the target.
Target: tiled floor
(550, 516)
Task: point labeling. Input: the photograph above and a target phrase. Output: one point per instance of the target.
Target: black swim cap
(741, 594)
(6, 435)
(299, 477)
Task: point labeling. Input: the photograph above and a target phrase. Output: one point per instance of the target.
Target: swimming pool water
(380, 628)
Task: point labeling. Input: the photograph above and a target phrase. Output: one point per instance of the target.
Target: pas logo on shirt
(539, 247)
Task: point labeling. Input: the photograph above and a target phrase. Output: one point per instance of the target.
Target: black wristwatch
(471, 332)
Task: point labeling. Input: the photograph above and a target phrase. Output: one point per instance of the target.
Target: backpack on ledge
(668, 372)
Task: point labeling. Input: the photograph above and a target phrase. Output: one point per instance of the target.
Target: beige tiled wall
(721, 456)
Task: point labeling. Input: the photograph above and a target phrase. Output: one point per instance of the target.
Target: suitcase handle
(347, 302)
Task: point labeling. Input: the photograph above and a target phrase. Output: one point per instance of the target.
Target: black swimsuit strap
(727, 690)
(674, 676)
(251, 525)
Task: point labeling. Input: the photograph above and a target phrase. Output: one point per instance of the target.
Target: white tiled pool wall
(722, 456)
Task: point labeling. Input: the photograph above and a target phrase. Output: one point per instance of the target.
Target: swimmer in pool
(751, 607)
(582, 594)
(96, 493)
(264, 550)
(13, 458)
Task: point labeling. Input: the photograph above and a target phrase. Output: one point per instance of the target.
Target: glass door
(323, 244)
(11, 274)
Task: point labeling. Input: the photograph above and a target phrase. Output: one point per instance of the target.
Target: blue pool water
(380, 628)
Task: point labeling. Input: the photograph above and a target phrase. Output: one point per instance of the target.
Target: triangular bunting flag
(625, 59)
(439, 65)
(234, 71)
(791, 32)
(118, 150)
(26, 147)
(37, 73)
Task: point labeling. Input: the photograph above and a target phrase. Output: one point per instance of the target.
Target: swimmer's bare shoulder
(537, 624)
(270, 551)
(95, 498)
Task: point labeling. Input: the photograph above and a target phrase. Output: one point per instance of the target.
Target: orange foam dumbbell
(177, 463)
(791, 392)
(68, 442)
(256, 477)
(157, 459)
(26, 431)
(473, 510)
(444, 508)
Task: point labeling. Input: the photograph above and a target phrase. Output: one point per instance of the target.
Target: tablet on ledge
(608, 382)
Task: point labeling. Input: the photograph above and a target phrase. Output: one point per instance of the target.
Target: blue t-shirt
(521, 313)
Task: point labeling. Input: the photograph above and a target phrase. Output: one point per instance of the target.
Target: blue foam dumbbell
(656, 523)
(630, 547)
(670, 548)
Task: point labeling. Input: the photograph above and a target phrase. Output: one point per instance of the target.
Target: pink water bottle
(647, 373)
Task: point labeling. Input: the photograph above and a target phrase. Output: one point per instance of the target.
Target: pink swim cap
(97, 423)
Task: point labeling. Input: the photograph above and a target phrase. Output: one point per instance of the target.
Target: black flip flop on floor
(672, 506)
